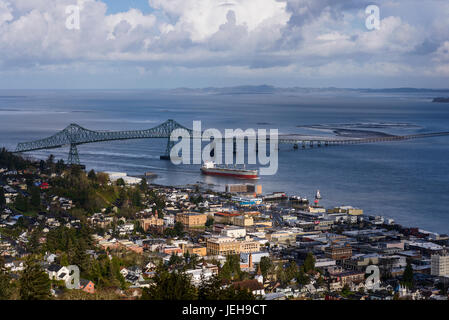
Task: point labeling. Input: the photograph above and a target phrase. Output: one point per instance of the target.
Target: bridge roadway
(75, 135)
(319, 140)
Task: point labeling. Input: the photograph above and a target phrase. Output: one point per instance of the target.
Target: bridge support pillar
(170, 145)
(74, 158)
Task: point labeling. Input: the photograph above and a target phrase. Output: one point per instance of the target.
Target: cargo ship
(210, 168)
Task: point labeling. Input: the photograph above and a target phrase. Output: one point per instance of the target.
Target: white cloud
(394, 36)
(315, 37)
(5, 12)
(202, 19)
(442, 53)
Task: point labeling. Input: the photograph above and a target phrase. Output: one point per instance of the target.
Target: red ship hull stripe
(243, 176)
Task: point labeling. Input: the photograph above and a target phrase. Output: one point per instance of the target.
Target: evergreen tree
(233, 293)
(170, 286)
(179, 229)
(35, 198)
(29, 181)
(2, 198)
(407, 278)
(291, 271)
(51, 163)
(136, 199)
(42, 166)
(63, 260)
(175, 260)
(302, 277)
(91, 175)
(159, 202)
(209, 222)
(309, 263)
(81, 258)
(231, 268)
(34, 283)
(213, 289)
(21, 203)
(266, 266)
(143, 186)
(282, 275)
(75, 171)
(33, 242)
(50, 160)
(5, 282)
(60, 166)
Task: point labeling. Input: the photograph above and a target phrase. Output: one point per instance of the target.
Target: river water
(407, 181)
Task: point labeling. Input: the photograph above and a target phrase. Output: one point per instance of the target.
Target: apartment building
(439, 265)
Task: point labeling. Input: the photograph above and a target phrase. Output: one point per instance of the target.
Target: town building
(192, 249)
(440, 265)
(338, 252)
(244, 188)
(222, 246)
(233, 232)
(243, 221)
(225, 217)
(192, 219)
(87, 286)
(248, 245)
(151, 222)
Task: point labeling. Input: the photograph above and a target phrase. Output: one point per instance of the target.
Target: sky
(125, 44)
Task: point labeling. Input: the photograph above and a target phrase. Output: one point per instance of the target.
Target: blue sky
(192, 43)
(115, 6)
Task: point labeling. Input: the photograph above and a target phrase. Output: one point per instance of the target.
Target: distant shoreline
(441, 100)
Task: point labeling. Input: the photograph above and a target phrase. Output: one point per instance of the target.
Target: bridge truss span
(75, 135)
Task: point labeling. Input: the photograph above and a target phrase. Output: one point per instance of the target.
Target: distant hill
(268, 89)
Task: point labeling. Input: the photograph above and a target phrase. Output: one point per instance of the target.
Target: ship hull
(228, 173)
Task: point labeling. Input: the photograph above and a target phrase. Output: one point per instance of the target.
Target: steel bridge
(75, 135)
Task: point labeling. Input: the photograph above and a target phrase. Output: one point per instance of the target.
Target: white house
(59, 273)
